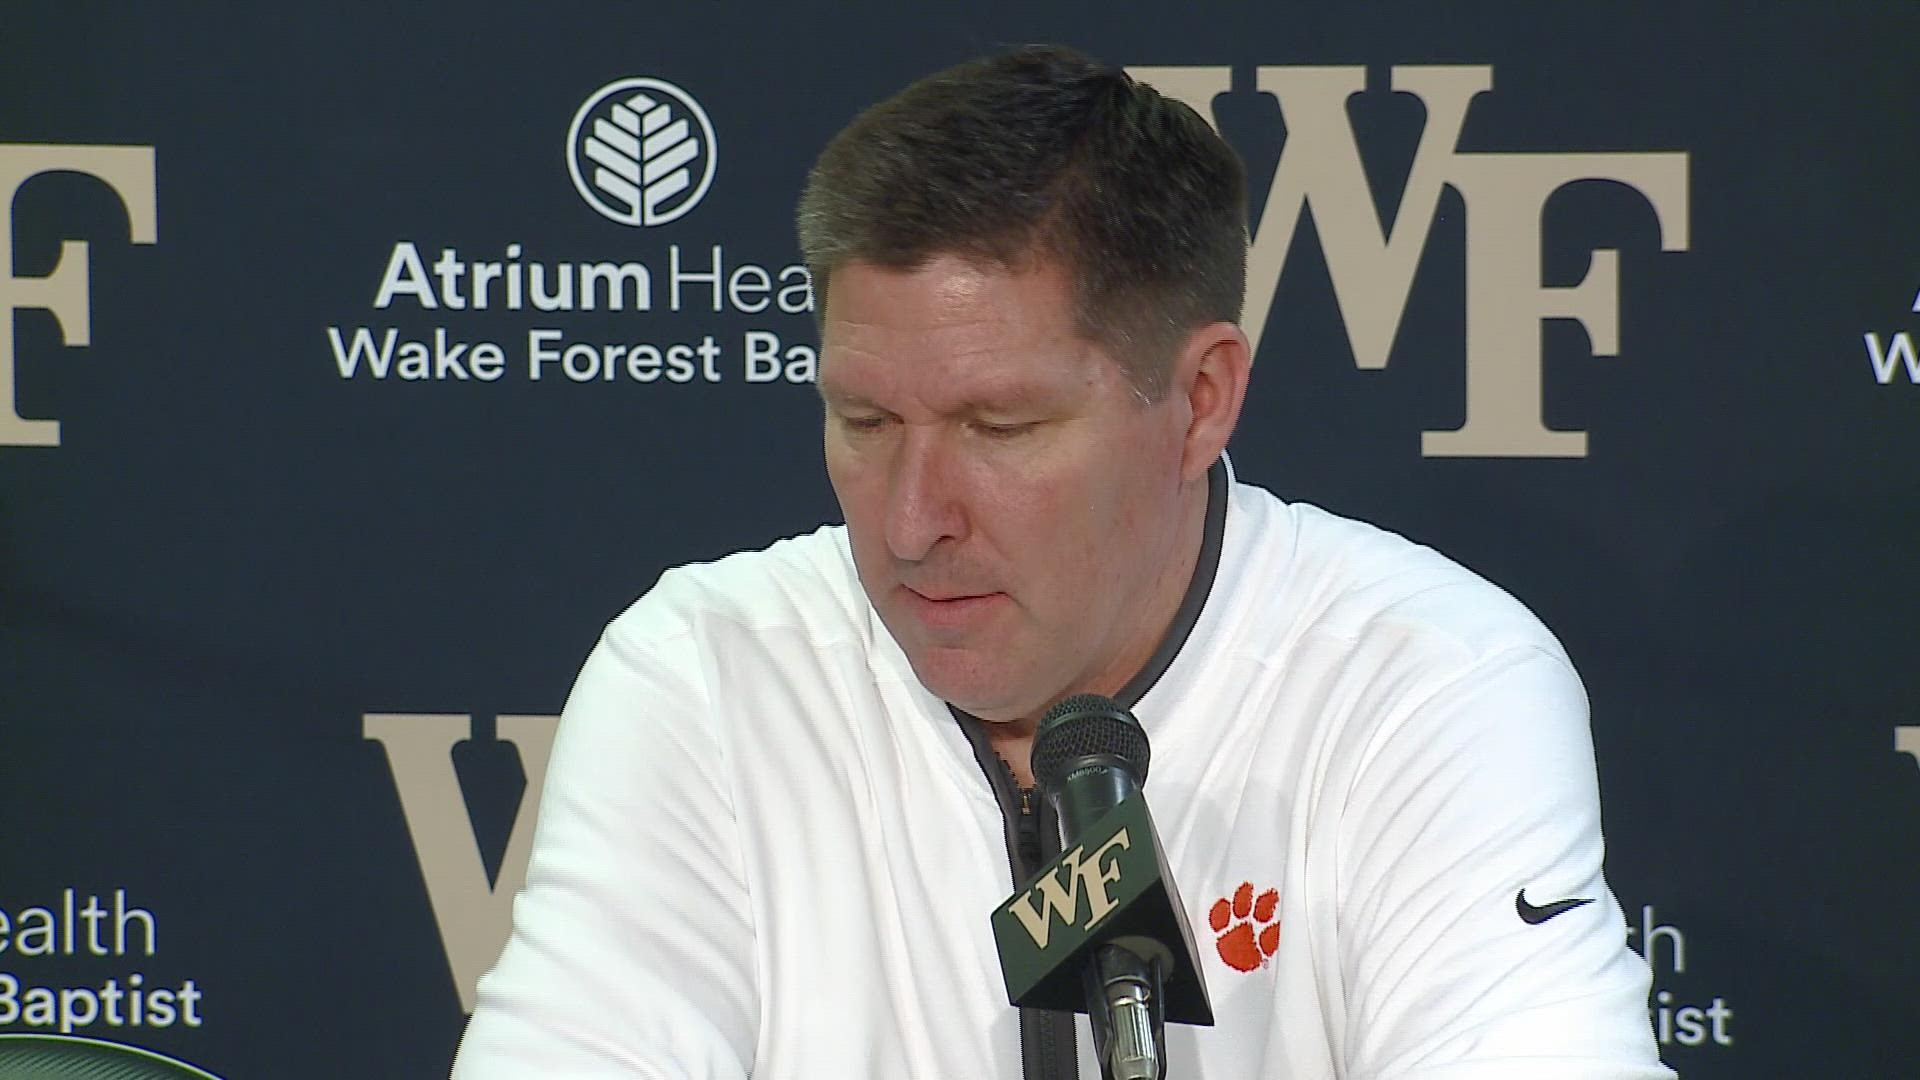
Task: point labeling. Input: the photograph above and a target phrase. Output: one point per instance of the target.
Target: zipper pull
(1026, 802)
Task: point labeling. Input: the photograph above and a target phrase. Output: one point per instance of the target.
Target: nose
(923, 499)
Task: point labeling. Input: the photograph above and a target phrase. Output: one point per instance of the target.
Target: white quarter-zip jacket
(765, 850)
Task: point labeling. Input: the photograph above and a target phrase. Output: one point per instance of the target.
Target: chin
(959, 679)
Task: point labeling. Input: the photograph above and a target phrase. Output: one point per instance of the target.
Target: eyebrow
(994, 400)
(1004, 399)
(834, 394)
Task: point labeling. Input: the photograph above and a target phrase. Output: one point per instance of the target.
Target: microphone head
(1087, 729)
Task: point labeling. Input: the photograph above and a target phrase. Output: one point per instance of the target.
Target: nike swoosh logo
(1534, 916)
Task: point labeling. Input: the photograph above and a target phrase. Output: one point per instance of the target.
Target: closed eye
(863, 423)
(1002, 431)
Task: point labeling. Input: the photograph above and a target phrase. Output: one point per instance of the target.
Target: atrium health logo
(641, 152)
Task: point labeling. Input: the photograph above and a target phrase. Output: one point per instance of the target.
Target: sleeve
(632, 946)
(1481, 794)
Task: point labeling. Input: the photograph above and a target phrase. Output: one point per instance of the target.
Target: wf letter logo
(475, 916)
(128, 170)
(1372, 267)
(1057, 896)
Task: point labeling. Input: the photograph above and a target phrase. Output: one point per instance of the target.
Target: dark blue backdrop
(236, 555)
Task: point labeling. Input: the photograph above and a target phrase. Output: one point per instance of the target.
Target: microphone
(1100, 929)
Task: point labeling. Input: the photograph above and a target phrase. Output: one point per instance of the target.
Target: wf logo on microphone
(1057, 896)
(1117, 891)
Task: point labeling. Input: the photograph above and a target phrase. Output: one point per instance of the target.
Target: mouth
(950, 610)
(945, 597)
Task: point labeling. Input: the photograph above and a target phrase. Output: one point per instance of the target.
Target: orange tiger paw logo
(1248, 929)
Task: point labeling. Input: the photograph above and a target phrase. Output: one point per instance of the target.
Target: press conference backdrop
(358, 363)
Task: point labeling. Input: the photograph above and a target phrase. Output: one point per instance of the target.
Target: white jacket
(765, 850)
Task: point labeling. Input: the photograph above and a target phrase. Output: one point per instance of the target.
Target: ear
(1211, 374)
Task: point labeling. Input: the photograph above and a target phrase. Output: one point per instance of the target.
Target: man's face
(1014, 506)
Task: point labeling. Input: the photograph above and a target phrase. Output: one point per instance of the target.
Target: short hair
(1044, 152)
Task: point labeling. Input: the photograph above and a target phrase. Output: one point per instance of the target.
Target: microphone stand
(1129, 1029)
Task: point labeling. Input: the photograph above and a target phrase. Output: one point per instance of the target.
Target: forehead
(951, 320)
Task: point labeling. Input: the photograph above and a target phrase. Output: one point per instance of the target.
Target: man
(788, 787)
